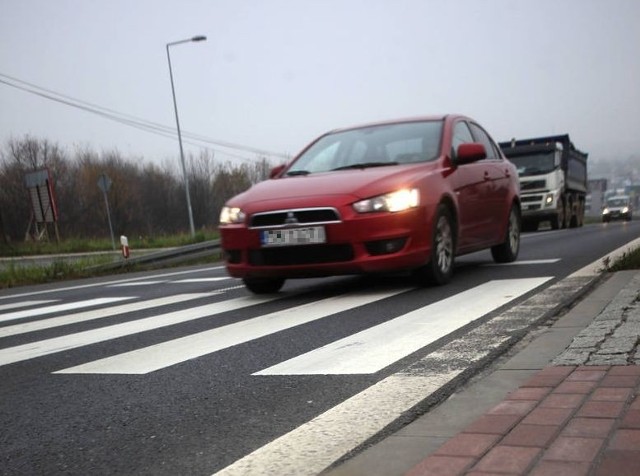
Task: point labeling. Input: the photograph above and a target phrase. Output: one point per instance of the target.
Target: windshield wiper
(297, 172)
(365, 165)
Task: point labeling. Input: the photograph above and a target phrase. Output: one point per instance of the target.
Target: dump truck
(553, 180)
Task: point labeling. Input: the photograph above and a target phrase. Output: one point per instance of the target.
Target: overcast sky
(273, 74)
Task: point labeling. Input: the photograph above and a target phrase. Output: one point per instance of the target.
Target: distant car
(617, 208)
(408, 195)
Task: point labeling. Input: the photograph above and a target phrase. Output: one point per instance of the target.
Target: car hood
(330, 188)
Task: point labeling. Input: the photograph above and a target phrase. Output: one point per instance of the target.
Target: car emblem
(291, 219)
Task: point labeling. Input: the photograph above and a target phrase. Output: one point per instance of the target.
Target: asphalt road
(182, 371)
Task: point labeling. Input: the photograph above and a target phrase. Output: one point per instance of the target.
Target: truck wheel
(560, 220)
(263, 285)
(507, 251)
(439, 269)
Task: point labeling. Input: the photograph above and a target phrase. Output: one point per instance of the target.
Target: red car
(408, 194)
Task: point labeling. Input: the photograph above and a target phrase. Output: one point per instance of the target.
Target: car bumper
(367, 243)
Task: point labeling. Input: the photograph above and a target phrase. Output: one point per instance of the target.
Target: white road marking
(525, 262)
(137, 283)
(59, 308)
(106, 283)
(201, 280)
(313, 446)
(97, 314)
(80, 339)
(375, 348)
(149, 359)
(14, 305)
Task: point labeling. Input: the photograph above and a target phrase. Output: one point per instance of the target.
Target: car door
(495, 193)
(469, 186)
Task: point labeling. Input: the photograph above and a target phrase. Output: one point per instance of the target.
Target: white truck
(553, 180)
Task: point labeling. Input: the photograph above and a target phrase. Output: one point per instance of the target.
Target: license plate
(293, 236)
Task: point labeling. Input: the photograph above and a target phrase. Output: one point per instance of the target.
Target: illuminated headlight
(229, 215)
(390, 202)
(605, 211)
(548, 200)
(625, 210)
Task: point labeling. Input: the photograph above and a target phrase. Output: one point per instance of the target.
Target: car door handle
(486, 176)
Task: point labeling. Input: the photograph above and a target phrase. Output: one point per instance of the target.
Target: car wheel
(263, 285)
(507, 251)
(439, 270)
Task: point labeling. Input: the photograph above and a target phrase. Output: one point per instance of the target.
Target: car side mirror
(470, 152)
(276, 171)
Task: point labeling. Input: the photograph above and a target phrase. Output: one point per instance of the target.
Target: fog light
(384, 247)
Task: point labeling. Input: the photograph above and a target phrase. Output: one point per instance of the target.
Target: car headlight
(625, 210)
(229, 215)
(605, 211)
(389, 202)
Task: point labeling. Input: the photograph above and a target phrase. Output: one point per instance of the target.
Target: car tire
(439, 269)
(263, 285)
(507, 251)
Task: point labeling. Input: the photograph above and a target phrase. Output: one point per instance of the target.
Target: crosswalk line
(50, 323)
(16, 305)
(375, 348)
(12, 316)
(72, 341)
(172, 352)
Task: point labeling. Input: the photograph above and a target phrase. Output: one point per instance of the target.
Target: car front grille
(306, 216)
(294, 255)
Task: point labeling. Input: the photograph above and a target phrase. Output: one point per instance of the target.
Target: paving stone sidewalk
(612, 338)
(578, 416)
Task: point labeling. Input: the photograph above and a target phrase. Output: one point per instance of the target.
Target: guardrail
(172, 256)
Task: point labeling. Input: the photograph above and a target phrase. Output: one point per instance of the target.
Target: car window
(461, 135)
(482, 137)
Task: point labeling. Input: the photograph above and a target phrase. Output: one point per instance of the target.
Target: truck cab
(553, 180)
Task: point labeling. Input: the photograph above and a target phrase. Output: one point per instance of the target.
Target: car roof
(439, 117)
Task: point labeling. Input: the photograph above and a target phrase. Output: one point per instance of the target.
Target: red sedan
(407, 195)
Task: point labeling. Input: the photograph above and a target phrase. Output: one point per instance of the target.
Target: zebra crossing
(365, 352)
(124, 317)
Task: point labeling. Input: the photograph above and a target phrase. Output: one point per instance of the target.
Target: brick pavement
(579, 416)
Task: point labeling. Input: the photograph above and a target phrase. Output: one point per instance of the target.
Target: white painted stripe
(106, 283)
(163, 355)
(312, 447)
(80, 339)
(525, 262)
(136, 283)
(202, 280)
(59, 308)
(375, 348)
(97, 314)
(15, 305)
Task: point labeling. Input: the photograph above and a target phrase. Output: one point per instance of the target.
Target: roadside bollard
(125, 246)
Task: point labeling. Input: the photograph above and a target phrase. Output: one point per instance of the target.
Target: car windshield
(375, 146)
(617, 202)
(534, 164)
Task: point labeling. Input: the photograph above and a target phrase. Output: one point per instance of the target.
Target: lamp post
(175, 107)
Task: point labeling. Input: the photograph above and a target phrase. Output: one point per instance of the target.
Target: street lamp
(175, 107)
